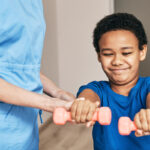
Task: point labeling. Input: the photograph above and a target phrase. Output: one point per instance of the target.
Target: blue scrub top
(22, 31)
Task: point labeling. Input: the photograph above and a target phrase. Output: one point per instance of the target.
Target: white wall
(50, 51)
(77, 60)
(69, 58)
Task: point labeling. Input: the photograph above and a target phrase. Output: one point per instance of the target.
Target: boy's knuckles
(89, 117)
(148, 120)
(142, 112)
(87, 102)
(85, 110)
(77, 119)
(83, 119)
(78, 113)
(139, 132)
(148, 111)
(138, 124)
(80, 104)
(145, 127)
(73, 109)
(146, 133)
(137, 121)
(148, 127)
(75, 103)
(136, 117)
(73, 115)
(148, 115)
(142, 116)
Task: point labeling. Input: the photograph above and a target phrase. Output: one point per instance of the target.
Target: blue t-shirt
(108, 137)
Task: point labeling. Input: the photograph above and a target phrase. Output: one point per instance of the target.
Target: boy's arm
(12, 94)
(90, 95)
(82, 110)
(51, 89)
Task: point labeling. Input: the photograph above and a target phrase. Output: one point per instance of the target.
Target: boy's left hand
(142, 122)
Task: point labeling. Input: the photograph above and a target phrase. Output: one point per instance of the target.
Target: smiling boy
(121, 44)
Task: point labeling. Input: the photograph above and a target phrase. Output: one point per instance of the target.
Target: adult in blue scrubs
(22, 30)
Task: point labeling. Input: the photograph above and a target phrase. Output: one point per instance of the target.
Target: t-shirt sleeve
(94, 86)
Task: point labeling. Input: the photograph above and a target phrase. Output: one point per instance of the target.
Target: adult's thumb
(68, 105)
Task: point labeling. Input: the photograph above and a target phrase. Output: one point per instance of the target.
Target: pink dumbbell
(102, 115)
(125, 126)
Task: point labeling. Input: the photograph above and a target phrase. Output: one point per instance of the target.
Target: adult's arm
(50, 88)
(12, 94)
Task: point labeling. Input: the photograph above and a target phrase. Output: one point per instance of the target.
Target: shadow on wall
(141, 10)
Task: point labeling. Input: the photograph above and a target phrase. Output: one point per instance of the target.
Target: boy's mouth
(118, 70)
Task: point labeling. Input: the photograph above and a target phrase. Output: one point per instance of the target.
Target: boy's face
(120, 56)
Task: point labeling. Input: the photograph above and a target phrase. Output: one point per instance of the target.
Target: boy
(121, 43)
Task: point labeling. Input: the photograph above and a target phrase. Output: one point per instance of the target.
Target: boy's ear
(143, 52)
(99, 57)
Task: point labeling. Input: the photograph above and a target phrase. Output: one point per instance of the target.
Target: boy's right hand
(82, 110)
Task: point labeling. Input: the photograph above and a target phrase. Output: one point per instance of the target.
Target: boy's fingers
(143, 119)
(139, 133)
(148, 118)
(137, 121)
(73, 110)
(84, 114)
(91, 113)
(79, 111)
(146, 133)
(79, 107)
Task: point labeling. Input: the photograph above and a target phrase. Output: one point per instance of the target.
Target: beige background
(69, 58)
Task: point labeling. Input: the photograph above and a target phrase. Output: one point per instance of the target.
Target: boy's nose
(117, 60)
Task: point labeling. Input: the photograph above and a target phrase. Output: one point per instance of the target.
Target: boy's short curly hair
(119, 21)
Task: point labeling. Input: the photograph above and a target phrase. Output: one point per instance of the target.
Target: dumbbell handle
(102, 115)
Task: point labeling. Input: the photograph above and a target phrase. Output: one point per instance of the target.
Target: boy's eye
(107, 54)
(126, 53)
